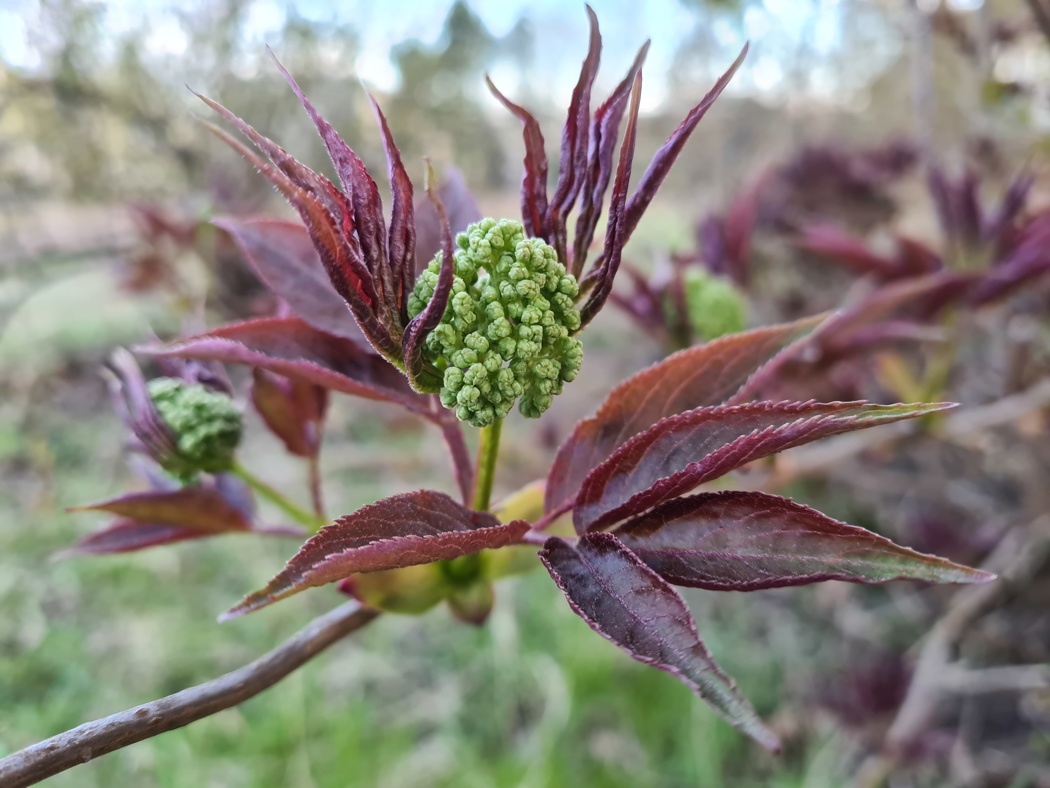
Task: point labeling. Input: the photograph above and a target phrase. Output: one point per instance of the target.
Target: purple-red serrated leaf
(616, 233)
(282, 255)
(834, 245)
(359, 185)
(413, 528)
(745, 541)
(628, 604)
(1027, 261)
(915, 258)
(426, 321)
(863, 323)
(574, 143)
(297, 174)
(698, 376)
(325, 210)
(998, 228)
(739, 226)
(294, 410)
(605, 129)
(664, 158)
(401, 246)
(534, 179)
(876, 336)
(683, 451)
(462, 210)
(200, 508)
(291, 347)
(340, 257)
(126, 535)
(133, 402)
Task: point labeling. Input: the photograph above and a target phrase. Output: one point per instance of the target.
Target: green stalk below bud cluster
(507, 333)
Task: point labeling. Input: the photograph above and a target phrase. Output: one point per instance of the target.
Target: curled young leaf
(617, 231)
(293, 409)
(745, 541)
(605, 129)
(426, 321)
(572, 162)
(630, 605)
(534, 179)
(698, 376)
(664, 158)
(684, 451)
(404, 530)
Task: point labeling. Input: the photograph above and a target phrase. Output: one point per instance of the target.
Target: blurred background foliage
(95, 118)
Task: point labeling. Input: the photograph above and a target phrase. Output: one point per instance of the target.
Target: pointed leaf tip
(404, 530)
(747, 541)
(628, 604)
(682, 452)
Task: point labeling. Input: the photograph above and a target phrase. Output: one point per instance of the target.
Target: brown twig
(92, 739)
(1017, 559)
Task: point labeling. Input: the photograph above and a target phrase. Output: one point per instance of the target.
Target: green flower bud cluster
(714, 306)
(207, 427)
(507, 331)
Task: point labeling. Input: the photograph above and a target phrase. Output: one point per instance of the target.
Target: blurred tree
(438, 97)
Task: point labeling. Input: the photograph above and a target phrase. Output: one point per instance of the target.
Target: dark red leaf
(171, 514)
(338, 250)
(136, 408)
(294, 410)
(998, 229)
(628, 604)
(201, 508)
(915, 258)
(574, 142)
(684, 451)
(739, 226)
(616, 233)
(605, 129)
(401, 247)
(413, 528)
(703, 375)
(291, 347)
(664, 158)
(362, 191)
(838, 247)
(426, 321)
(534, 179)
(284, 258)
(744, 541)
(126, 535)
(296, 174)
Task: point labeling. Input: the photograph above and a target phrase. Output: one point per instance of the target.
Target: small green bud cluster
(507, 331)
(206, 424)
(714, 305)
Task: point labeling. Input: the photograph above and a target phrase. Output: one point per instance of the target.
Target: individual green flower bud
(508, 327)
(206, 424)
(714, 306)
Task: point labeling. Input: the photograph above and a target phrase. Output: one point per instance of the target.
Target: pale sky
(771, 25)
